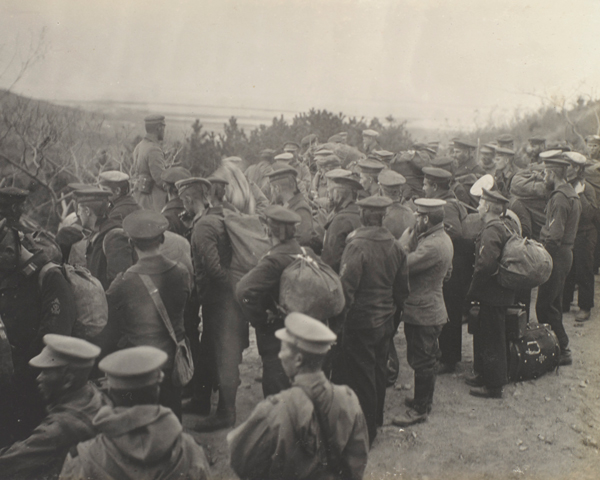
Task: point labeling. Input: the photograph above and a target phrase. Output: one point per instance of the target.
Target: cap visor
(47, 360)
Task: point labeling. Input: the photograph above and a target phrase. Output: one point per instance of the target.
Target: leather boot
(224, 417)
(420, 406)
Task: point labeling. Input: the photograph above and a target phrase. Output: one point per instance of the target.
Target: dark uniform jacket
(374, 275)
(258, 291)
(282, 437)
(340, 225)
(172, 211)
(69, 422)
(428, 266)
(132, 316)
(211, 255)
(122, 207)
(562, 218)
(29, 312)
(305, 230)
(488, 251)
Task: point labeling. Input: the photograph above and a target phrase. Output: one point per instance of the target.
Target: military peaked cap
(389, 178)
(459, 143)
(493, 196)
(281, 214)
(183, 185)
(370, 133)
(487, 182)
(145, 224)
(155, 120)
(306, 333)
(437, 174)
(113, 176)
(370, 165)
(375, 202)
(61, 350)
(133, 368)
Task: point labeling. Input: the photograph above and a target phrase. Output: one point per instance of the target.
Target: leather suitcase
(534, 354)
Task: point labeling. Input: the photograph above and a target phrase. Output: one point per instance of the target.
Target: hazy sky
(411, 58)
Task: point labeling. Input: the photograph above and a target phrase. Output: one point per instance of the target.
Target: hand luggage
(534, 354)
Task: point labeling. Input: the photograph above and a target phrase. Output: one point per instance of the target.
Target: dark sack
(249, 242)
(311, 287)
(534, 354)
(524, 263)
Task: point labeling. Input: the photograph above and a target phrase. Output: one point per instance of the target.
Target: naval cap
(370, 133)
(12, 195)
(389, 178)
(145, 224)
(428, 205)
(280, 170)
(437, 174)
(280, 214)
(306, 333)
(155, 120)
(487, 182)
(61, 350)
(368, 165)
(133, 368)
(183, 185)
(174, 174)
(375, 202)
(554, 153)
(113, 176)
(493, 196)
(537, 139)
(284, 157)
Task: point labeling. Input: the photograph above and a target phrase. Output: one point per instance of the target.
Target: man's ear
(69, 380)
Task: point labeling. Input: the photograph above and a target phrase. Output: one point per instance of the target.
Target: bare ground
(546, 428)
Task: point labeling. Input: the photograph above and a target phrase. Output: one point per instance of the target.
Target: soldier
(73, 402)
(374, 275)
(506, 140)
(304, 177)
(107, 251)
(460, 191)
(325, 163)
(149, 164)
(398, 216)
(121, 201)
(323, 421)
(174, 211)
(429, 261)
(284, 191)
(505, 169)
(537, 144)
(29, 309)
(257, 173)
(384, 156)
(146, 296)
(258, 293)
(489, 336)
(467, 171)
(558, 237)
(487, 153)
(138, 437)
(369, 169)
(342, 188)
(582, 270)
(370, 142)
(437, 186)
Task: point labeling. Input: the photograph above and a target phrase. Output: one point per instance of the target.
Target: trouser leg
(550, 295)
(492, 330)
(274, 379)
(382, 353)
(585, 244)
(170, 395)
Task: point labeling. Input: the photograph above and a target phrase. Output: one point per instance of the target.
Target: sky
(459, 60)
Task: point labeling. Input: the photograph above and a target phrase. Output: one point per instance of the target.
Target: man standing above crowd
(149, 164)
(315, 429)
(370, 142)
(558, 237)
(374, 275)
(342, 189)
(429, 261)
(489, 334)
(65, 365)
(121, 201)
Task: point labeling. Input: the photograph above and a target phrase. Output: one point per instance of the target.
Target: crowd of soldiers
(415, 237)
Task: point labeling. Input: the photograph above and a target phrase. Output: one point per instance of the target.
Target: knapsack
(249, 242)
(524, 263)
(90, 299)
(311, 287)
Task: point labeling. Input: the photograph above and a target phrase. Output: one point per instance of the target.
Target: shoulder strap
(158, 303)
(44, 270)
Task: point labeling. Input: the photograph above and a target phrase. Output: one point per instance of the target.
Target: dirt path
(548, 428)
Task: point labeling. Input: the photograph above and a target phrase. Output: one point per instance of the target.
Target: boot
(565, 357)
(420, 406)
(475, 380)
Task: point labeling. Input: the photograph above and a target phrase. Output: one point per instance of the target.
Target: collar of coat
(152, 265)
(567, 190)
(431, 231)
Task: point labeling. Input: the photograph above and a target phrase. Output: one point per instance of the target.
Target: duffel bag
(524, 263)
(534, 354)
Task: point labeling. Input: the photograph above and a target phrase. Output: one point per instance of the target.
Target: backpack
(524, 263)
(311, 287)
(90, 299)
(249, 243)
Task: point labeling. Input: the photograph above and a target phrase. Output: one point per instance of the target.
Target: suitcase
(534, 354)
(516, 322)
